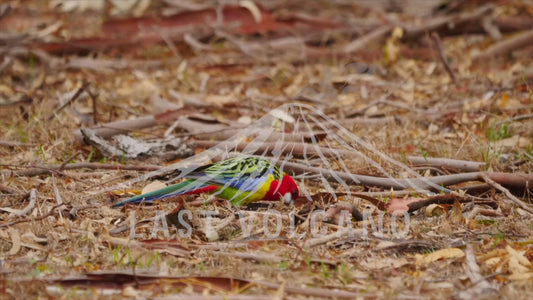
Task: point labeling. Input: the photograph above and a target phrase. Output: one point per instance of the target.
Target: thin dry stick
(437, 23)
(170, 44)
(58, 197)
(502, 189)
(30, 206)
(316, 292)
(220, 297)
(125, 225)
(485, 212)
(363, 41)
(438, 45)
(16, 144)
(299, 149)
(482, 288)
(456, 164)
(259, 257)
(6, 63)
(62, 166)
(24, 100)
(332, 236)
(32, 219)
(292, 148)
(505, 46)
(95, 111)
(119, 127)
(74, 97)
(400, 184)
(6, 189)
(517, 118)
(47, 169)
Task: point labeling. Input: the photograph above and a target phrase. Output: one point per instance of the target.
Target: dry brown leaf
(153, 186)
(519, 265)
(130, 291)
(254, 10)
(434, 210)
(512, 143)
(15, 240)
(448, 253)
(376, 262)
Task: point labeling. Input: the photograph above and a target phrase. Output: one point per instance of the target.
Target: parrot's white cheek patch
(287, 198)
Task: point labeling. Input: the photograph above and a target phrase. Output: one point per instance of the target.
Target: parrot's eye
(294, 194)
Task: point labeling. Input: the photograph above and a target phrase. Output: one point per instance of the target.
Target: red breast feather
(279, 188)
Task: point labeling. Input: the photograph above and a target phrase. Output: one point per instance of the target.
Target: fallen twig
(438, 45)
(332, 236)
(95, 103)
(486, 212)
(197, 125)
(16, 144)
(96, 278)
(113, 128)
(316, 292)
(412, 32)
(58, 197)
(171, 247)
(387, 183)
(293, 148)
(448, 199)
(6, 63)
(259, 257)
(66, 161)
(25, 99)
(412, 245)
(48, 169)
(481, 287)
(456, 164)
(333, 213)
(522, 181)
(105, 64)
(128, 147)
(297, 149)
(507, 193)
(505, 46)
(118, 127)
(72, 99)
(27, 209)
(362, 42)
(516, 118)
(6, 189)
(32, 219)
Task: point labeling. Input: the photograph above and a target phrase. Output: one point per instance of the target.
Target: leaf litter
(424, 180)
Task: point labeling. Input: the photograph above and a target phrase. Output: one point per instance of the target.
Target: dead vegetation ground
(451, 80)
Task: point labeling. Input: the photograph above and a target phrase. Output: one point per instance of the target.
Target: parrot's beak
(287, 199)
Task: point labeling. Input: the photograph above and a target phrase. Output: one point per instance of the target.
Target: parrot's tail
(183, 188)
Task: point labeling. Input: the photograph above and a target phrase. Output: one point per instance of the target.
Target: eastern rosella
(241, 180)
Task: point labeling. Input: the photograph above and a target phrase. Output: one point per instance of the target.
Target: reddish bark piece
(149, 30)
(107, 279)
(398, 206)
(294, 19)
(173, 115)
(230, 14)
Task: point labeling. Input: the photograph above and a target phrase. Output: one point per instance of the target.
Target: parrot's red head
(285, 189)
